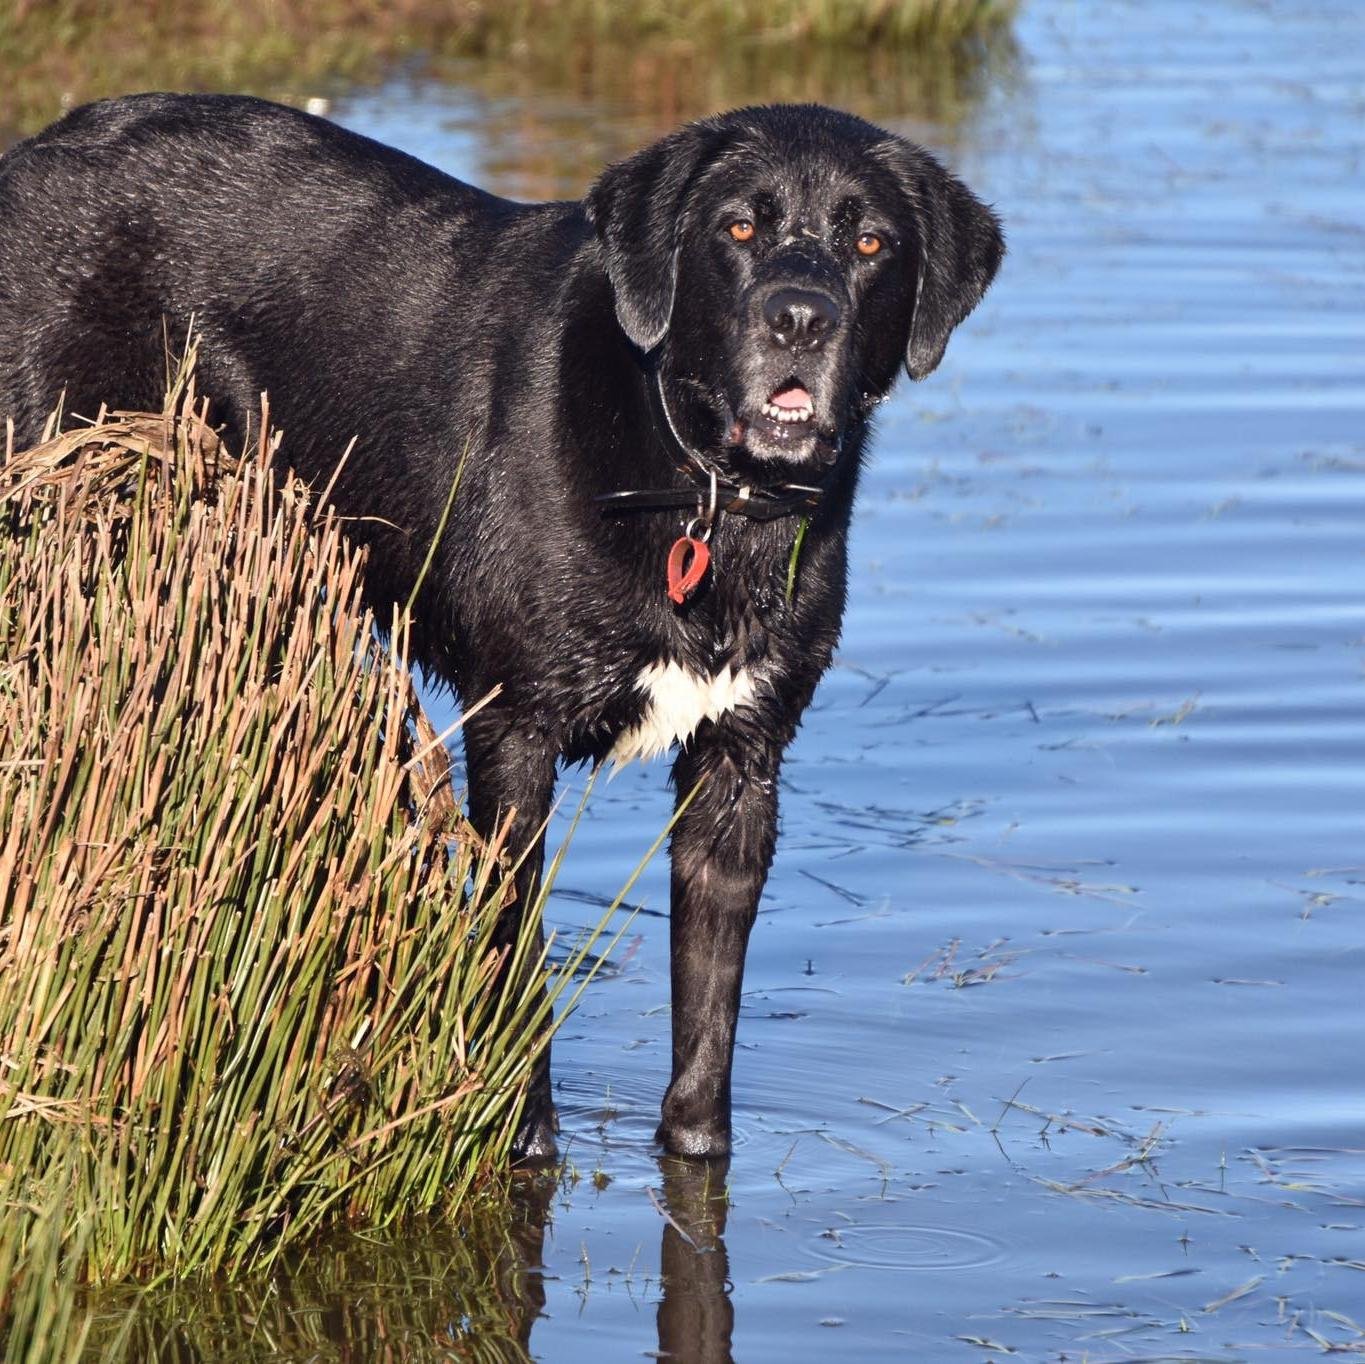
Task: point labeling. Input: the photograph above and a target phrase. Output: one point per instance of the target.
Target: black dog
(680, 368)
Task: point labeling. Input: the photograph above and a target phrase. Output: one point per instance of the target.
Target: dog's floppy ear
(960, 249)
(637, 206)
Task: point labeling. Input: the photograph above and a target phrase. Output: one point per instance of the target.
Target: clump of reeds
(247, 948)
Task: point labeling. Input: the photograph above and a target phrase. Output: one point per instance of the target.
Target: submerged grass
(433, 1292)
(248, 950)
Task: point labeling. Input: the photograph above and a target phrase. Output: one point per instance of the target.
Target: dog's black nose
(800, 319)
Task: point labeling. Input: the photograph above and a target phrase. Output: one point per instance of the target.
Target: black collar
(715, 493)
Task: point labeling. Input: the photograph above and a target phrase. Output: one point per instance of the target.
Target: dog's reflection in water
(696, 1317)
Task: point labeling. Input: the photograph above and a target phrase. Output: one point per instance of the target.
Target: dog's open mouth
(786, 422)
(787, 425)
(789, 405)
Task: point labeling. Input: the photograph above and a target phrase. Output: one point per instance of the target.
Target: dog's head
(782, 263)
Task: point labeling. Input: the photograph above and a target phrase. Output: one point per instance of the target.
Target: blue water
(1053, 1025)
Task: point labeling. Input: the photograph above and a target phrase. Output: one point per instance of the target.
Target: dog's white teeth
(787, 415)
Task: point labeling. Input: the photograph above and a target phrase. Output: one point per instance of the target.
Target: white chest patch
(678, 700)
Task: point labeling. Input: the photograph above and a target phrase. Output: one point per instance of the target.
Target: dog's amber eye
(742, 231)
(869, 244)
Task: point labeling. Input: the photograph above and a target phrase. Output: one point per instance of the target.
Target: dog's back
(345, 279)
(130, 216)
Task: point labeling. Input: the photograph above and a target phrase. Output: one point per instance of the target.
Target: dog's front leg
(511, 773)
(722, 848)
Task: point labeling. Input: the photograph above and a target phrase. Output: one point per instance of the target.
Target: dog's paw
(700, 1141)
(534, 1143)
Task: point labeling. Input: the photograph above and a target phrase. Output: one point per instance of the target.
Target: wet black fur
(377, 298)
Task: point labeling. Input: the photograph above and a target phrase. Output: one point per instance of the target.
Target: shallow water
(1052, 1036)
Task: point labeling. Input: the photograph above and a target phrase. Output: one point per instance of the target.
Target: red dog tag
(683, 582)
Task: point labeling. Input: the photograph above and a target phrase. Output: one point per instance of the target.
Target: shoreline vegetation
(665, 62)
(249, 949)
